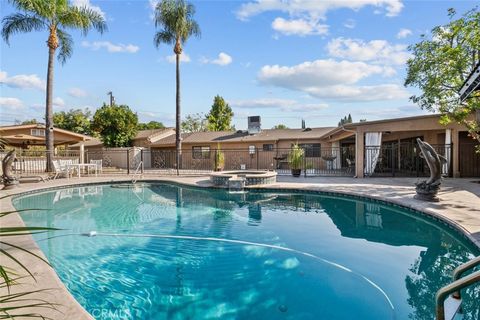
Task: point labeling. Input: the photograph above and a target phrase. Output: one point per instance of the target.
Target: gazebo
(24, 136)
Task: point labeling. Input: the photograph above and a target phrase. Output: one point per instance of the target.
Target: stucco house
(371, 148)
(243, 149)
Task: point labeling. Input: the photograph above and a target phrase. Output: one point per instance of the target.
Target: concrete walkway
(459, 207)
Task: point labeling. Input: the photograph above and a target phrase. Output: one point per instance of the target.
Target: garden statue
(9, 181)
(427, 190)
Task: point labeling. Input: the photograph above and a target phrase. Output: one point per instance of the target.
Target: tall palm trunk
(49, 112)
(178, 135)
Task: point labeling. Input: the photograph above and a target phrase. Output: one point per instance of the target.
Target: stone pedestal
(427, 192)
(10, 185)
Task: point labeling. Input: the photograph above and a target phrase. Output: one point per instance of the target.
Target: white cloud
(314, 9)
(153, 4)
(87, 4)
(403, 33)
(392, 112)
(11, 103)
(266, 103)
(110, 47)
(330, 79)
(222, 60)
(318, 73)
(164, 117)
(350, 24)
(349, 93)
(285, 105)
(378, 51)
(183, 58)
(23, 81)
(77, 92)
(300, 27)
(58, 102)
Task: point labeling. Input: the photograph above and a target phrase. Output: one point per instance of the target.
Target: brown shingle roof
(145, 134)
(243, 136)
(4, 130)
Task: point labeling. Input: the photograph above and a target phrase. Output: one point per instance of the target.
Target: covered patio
(29, 141)
(389, 148)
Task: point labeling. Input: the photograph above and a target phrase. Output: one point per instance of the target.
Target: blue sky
(283, 60)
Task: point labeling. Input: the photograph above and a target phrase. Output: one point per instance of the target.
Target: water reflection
(254, 214)
(165, 270)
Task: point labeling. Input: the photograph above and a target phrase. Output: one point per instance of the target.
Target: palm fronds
(19, 304)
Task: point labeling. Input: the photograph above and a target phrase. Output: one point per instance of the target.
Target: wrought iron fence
(35, 161)
(403, 160)
(325, 161)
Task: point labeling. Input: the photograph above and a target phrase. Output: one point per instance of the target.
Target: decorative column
(448, 152)
(82, 152)
(455, 154)
(359, 153)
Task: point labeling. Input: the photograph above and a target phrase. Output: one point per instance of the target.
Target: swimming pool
(164, 251)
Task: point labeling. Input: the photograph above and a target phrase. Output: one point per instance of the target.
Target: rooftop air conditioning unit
(254, 125)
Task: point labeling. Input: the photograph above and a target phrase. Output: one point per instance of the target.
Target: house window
(201, 152)
(268, 147)
(311, 149)
(251, 149)
(37, 132)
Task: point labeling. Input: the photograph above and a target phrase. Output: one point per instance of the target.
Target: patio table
(78, 167)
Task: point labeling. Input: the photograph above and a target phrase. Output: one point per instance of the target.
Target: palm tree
(55, 16)
(175, 18)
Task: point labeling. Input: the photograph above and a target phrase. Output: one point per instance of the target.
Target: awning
(471, 84)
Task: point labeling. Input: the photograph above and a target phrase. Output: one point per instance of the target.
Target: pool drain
(282, 308)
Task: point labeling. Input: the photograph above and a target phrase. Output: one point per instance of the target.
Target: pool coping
(70, 308)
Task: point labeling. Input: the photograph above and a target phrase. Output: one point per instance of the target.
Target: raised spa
(221, 178)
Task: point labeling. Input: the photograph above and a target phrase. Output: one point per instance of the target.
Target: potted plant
(295, 159)
(219, 159)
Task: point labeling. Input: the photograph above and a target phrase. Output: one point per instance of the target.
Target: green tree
(440, 64)
(280, 126)
(151, 125)
(345, 120)
(220, 116)
(175, 18)
(75, 120)
(194, 123)
(31, 121)
(55, 16)
(116, 125)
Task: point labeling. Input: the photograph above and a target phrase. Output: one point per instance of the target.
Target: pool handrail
(461, 269)
(140, 166)
(457, 284)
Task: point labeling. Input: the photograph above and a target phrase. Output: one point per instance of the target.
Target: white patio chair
(59, 168)
(98, 163)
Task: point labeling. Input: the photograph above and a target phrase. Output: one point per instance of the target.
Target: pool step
(452, 308)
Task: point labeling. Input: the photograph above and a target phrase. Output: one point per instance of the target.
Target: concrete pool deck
(459, 206)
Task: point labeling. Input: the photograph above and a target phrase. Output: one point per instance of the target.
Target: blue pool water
(169, 252)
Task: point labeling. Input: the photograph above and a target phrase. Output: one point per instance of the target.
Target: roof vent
(254, 125)
(307, 129)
